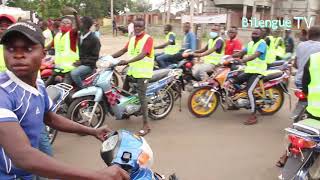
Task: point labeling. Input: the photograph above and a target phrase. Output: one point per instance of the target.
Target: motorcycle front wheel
(81, 108)
(52, 134)
(275, 105)
(160, 105)
(203, 102)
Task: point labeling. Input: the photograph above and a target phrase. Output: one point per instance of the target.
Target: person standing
(189, 40)
(89, 50)
(130, 28)
(141, 53)
(47, 33)
(289, 44)
(233, 44)
(114, 27)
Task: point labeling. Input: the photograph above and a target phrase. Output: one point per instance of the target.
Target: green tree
(139, 6)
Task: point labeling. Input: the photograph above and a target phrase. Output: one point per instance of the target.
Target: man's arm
(32, 160)
(219, 45)
(120, 53)
(306, 79)
(239, 54)
(77, 19)
(202, 50)
(162, 45)
(138, 58)
(252, 57)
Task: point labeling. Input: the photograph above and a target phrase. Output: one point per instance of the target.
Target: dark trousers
(252, 80)
(141, 88)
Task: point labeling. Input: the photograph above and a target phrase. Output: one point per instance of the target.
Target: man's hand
(123, 62)
(102, 132)
(77, 63)
(112, 173)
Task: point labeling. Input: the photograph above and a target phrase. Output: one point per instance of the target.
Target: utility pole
(111, 9)
(169, 11)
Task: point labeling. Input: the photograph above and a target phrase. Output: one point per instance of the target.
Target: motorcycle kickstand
(180, 102)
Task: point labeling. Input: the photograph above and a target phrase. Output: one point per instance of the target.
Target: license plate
(293, 165)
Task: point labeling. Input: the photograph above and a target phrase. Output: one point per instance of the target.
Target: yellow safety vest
(256, 66)
(314, 86)
(144, 67)
(64, 56)
(171, 49)
(214, 58)
(280, 49)
(49, 39)
(271, 51)
(2, 63)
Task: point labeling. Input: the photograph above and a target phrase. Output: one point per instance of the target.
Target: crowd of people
(25, 108)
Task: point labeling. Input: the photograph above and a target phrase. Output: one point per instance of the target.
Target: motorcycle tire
(271, 111)
(167, 110)
(193, 103)
(115, 80)
(52, 134)
(73, 111)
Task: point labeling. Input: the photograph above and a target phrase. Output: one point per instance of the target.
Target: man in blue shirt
(256, 50)
(25, 107)
(189, 40)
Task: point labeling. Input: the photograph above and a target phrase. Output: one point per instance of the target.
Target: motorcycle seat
(310, 126)
(54, 93)
(159, 74)
(272, 74)
(276, 63)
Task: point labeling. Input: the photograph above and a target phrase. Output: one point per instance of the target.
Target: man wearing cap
(25, 105)
(5, 22)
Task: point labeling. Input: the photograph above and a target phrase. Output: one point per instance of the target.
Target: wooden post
(111, 10)
(169, 11)
(191, 14)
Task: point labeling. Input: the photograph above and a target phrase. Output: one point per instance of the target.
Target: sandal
(143, 132)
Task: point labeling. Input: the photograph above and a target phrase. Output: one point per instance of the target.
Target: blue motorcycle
(132, 153)
(303, 161)
(92, 104)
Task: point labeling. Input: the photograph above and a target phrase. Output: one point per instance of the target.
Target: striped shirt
(25, 105)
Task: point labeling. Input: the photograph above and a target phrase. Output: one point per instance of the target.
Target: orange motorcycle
(269, 92)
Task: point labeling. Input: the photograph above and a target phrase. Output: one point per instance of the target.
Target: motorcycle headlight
(146, 157)
(108, 147)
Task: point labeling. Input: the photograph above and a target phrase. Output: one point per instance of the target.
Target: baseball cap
(28, 29)
(9, 17)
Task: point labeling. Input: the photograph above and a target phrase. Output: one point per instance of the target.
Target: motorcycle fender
(90, 91)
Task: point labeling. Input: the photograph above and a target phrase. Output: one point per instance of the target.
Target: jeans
(44, 145)
(142, 85)
(80, 72)
(200, 71)
(162, 60)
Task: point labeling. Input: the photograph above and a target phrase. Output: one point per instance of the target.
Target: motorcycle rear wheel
(276, 106)
(165, 111)
(196, 102)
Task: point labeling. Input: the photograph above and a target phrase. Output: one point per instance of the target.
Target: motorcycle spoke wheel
(161, 106)
(277, 101)
(197, 102)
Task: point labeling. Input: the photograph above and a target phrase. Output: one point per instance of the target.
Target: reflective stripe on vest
(144, 67)
(48, 40)
(171, 49)
(271, 51)
(2, 63)
(314, 86)
(256, 66)
(64, 56)
(214, 58)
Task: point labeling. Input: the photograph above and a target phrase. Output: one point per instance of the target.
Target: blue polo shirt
(262, 48)
(25, 105)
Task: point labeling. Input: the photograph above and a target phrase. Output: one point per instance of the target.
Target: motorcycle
(303, 151)
(57, 94)
(92, 104)
(132, 153)
(208, 95)
(300, 109)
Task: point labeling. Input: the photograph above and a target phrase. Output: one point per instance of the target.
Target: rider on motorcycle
(212, 54)
(255, 66)
(66, 48)
(170, 47)
(141, 53)
(5, 22)
(89, 49)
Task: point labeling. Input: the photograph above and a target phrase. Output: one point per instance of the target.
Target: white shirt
(130, 29)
